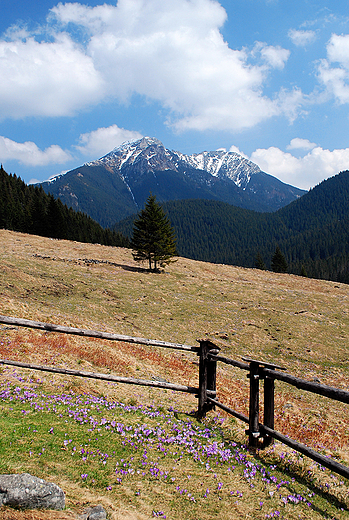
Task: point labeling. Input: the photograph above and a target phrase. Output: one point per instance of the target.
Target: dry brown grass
(301, 324)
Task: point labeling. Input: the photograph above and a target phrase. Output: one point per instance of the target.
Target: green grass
(161, 463)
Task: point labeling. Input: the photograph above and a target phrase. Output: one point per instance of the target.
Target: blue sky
(266, 78)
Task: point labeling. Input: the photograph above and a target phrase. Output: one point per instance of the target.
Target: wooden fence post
(253, 423)
(207, 375)
(212, 374)
(257, 372)
(269, 386)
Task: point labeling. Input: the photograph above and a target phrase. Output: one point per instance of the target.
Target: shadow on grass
(132, 268)
(306, 478)
(135, 269)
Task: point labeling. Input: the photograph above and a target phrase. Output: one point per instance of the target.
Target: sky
(266, 78)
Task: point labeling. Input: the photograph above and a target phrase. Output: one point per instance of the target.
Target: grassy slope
(299, 323)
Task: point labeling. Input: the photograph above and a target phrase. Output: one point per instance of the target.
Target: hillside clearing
(299, 323)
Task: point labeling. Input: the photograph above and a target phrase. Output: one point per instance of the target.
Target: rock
(94, 513)
(27, 492)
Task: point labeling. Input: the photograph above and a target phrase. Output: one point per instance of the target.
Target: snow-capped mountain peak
(152, 153)
(119, 183)
(223, 164)
(128, 152)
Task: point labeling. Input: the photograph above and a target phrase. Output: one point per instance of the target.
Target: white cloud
(236, 150)
(274, 57)
(336, 79)
(291, 103)
(338, 49)
(46, 78)
(304, 172)
(170, 52)
(101, 141)
(173, 52)
(29, 154)
(302, 38)
(300, 144)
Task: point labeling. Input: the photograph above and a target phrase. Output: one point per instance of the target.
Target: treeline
(312, 232)
(30, 210)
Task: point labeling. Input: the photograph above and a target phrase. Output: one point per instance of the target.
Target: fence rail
(106, 377)
(206, 391)
(94, 334)
(316, 388)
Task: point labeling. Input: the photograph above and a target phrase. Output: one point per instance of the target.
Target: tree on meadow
(153, 238)
(259, 262)
(278, 262)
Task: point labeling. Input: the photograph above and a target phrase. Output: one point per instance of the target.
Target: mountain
(312, 232)
(117, 185)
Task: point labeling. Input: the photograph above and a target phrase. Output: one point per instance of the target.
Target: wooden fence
(260, 434)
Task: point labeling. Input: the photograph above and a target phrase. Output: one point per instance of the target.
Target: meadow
(139, 451)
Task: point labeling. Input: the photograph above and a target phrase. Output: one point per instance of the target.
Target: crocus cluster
(155, 441)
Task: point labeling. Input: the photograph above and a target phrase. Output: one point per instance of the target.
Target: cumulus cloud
(274, 56)
(336, 78)
(300, 144)
(29, 154)
(304, 172)
(301, 38)
(236, 150)
(338, 49)
(46, 78)
(169, 52)
(101, 141)
(174, 53)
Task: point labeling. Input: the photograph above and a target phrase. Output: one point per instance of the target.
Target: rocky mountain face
(117, 185)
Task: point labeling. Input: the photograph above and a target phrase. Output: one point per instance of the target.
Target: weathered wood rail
(50, 327)
(260, 434)
(257, 432)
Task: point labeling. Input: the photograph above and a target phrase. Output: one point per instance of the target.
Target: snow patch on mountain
(219, 163)
(224, 164)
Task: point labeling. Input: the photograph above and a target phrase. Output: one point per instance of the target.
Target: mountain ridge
(117, 185)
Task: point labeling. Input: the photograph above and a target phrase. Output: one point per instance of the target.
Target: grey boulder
(27, 492)
(94, 513)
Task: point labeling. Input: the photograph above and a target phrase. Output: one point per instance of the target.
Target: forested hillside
(30, 210)
(312, 232)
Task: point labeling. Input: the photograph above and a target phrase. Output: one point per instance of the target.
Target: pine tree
(303, 271)
(278, 262)
(153, 237)
(259, 262)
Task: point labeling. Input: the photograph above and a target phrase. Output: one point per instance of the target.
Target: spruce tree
(303, 271)
(259, 262)
(153, 237)
(278, 262)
